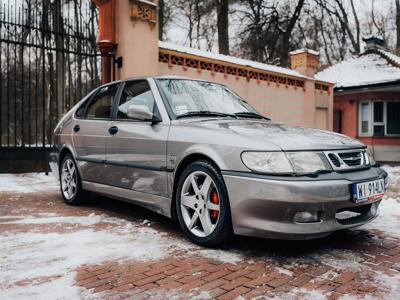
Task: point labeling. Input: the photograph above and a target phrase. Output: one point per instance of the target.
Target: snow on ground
(27, 183)
(389, 210)
(37, 255)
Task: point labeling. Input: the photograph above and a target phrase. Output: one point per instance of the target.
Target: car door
(90, 131)
(136, 152)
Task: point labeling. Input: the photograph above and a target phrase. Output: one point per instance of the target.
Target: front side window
(101, 104)
(189, 96)
(135, 93)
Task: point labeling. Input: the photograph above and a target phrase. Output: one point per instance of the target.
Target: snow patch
(28, 255)
(86, 221)
(284, 271)
(362, 70)
(298, 51)
(27, 182)
(61, 288)
(230, 59)
(221, 255)
(389, 284)
(389, 209)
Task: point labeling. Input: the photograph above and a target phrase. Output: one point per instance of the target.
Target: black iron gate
(48, 61)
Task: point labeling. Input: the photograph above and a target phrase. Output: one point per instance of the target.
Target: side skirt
(158, 204)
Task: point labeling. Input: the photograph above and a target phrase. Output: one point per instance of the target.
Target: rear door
(136, 152)
(90, 131)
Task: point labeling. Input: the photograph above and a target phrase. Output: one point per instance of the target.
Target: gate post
(106, 40)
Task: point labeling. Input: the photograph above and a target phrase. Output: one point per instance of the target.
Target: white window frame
(369, 133)
(371, 124)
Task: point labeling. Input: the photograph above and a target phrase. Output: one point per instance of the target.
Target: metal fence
(48, 61)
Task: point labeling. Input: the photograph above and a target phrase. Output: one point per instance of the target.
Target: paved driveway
(109, 249)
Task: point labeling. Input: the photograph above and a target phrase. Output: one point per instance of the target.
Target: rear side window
(80, 112)
(101, 105)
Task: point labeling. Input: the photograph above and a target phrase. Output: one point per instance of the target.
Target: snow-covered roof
(374, 67)
(229, 59)
(298, 51)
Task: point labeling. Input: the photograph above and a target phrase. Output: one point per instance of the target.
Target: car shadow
(247, 246)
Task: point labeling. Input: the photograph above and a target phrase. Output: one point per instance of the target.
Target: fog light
(306, 217)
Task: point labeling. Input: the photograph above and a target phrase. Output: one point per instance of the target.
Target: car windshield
(188, 97)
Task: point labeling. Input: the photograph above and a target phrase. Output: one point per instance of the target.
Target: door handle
(77, 128)
(113, 130)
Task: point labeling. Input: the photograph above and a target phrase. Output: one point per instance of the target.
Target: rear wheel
(202, 205)
(70, 182)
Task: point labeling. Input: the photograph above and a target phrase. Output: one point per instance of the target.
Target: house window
(365, 116)
(393, 117)
(378, 121)
(379, 118)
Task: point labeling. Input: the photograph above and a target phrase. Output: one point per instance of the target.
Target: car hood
(286, 137)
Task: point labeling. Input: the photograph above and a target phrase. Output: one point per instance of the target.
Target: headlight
(285, 163)
(267, 162)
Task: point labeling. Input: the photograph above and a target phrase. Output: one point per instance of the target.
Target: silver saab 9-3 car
(195, 151)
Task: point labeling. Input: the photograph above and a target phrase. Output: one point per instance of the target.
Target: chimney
(373, 43)
(305, 61)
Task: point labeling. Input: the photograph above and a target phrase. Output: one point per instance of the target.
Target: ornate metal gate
(48, 61)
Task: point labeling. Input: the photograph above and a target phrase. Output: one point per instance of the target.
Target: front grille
(334, 159)
(351, 158)
(347, 159)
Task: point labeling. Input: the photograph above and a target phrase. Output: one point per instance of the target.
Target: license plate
(369, 190)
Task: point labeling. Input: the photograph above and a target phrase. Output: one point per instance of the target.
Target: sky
(177, 31)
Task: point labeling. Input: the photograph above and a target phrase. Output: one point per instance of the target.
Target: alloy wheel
(200, 205)
(69, 179)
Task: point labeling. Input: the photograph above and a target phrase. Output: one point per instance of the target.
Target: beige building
(129, 34)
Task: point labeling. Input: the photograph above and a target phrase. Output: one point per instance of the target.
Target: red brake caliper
(214, 199)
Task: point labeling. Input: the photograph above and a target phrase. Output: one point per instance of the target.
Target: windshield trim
(167, 104)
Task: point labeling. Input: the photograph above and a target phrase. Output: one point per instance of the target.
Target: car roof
(160, 77)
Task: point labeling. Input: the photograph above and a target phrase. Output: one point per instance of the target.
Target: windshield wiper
(205, 113)
(248, 114)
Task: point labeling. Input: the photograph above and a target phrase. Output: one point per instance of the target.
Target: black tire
(223, 231)
(80, 195)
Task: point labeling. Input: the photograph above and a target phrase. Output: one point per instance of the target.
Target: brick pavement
(358, 263)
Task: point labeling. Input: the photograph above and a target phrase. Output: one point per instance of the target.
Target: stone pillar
(137, 38)
(106, 40)
(304, 61)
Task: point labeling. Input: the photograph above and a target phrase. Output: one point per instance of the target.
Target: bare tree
(337, 9)
(267, 32)
(165, 15)
(223, 26)
(287, 32)
(397, 26)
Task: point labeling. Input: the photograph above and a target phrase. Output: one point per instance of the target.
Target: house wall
(384, 149)
(296, 100)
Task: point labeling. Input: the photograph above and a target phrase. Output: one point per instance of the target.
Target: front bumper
(265, 206)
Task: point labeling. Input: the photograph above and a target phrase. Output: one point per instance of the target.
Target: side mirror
(141, 113)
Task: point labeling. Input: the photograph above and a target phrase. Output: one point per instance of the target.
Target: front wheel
(70, 182)
(202, 205)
